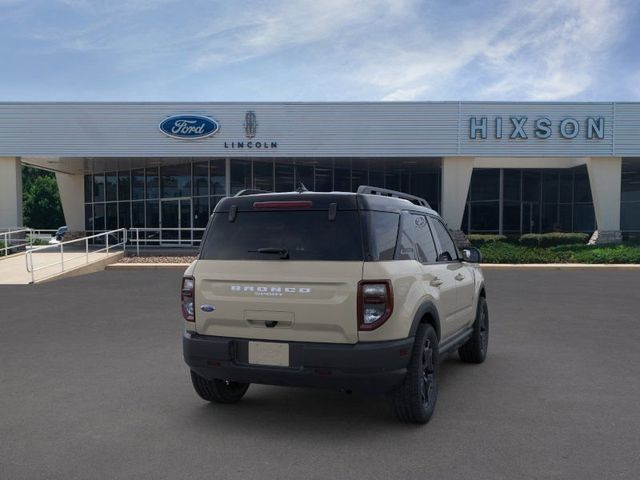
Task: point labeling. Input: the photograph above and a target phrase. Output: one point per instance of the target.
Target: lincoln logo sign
(543, 128)
(189, 126)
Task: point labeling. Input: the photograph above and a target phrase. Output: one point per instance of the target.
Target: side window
(416, 242)
(448, 248)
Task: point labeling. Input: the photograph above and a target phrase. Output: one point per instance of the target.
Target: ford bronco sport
(357, 291)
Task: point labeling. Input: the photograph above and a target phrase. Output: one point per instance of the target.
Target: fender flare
(424, 309)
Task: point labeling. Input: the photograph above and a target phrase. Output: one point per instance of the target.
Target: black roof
(322, 200)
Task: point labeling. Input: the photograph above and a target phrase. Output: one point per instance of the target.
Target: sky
(319, 50)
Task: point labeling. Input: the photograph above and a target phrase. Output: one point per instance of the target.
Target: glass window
(217, 171)
(152, 214)
(324, 179)
(284, 178)
(111, 182)
(566, 186)
(137, 214)
(550, 182)
(630, 217)
(152, 182)
(137, 184)
(98, 188)
(359, 175)
(582, 189)
(124, 185)
(531, 186)
(448, 251)
(176, 180)
(511, 217)
(263, 175)
(550, 221)
(304, 174)
(376, 174)
(88, 188)
(511, 184)
(200, 212)
(98, 216)
(124, 215)
(240, 175)
(630, 182)
(88, 218)
(201, 178)
(485, 184)
(485, 216)
(392, 180)
(583, 218)
(382, 233)
(565, 218)
(416, 242)
(305, 235)
(112, 216)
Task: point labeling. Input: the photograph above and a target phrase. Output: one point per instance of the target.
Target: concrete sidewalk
(13, 269)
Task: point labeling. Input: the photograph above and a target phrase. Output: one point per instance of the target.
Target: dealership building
(487, 167)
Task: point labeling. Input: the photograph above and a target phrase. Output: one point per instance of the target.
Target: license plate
(269, 353)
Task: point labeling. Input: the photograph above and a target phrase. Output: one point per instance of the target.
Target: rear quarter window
(305, 235)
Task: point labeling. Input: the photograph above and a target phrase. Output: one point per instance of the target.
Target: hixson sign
(543, 127)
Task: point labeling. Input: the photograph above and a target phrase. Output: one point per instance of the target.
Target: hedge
(503, 252)
(552, 239)
(481, 239)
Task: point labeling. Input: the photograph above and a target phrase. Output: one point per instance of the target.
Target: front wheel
(415, 400)
(218, 391)
(475, 349)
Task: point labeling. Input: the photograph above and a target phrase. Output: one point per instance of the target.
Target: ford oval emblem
(207, 308)
(189, 126)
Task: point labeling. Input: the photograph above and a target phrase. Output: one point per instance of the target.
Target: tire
(218, 391)
(474, 350)
(415, 400)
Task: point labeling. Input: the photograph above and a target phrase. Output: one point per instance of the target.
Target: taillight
(375, 303)
(186, 296)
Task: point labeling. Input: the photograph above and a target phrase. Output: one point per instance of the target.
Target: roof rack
(250, 191)
(392, 193)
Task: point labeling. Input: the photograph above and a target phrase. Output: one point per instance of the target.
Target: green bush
(481, 239)
(503, 252)
(1, 249)
(553, 239)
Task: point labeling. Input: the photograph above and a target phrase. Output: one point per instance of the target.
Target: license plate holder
(273, 354)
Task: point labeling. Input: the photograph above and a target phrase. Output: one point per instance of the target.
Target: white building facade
(488, 167)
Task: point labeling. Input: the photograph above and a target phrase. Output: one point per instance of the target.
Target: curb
(146, 266)
(561, 266)
(488, 266)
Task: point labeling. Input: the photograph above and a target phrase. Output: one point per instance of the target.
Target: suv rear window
(305, 235)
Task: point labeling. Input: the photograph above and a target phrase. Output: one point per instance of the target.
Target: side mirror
(471, 255)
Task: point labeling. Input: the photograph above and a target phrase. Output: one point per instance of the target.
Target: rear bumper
(364, 367)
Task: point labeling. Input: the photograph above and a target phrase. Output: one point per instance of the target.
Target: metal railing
(26, 236)
(165, 237)
(119, 233)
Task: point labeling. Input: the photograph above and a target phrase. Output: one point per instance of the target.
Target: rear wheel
(218, 391)
(415, 400)
(475, 349)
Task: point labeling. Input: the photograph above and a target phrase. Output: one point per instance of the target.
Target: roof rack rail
(393, 193)
(250, 191)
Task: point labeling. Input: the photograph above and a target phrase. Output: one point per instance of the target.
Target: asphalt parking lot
(92, 385)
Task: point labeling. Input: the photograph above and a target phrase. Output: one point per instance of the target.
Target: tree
(41, 207)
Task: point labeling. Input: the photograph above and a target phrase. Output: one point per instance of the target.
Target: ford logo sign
(189, 126)
(207, 308)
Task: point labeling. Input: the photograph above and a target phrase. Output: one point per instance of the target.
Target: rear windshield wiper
(283, 252)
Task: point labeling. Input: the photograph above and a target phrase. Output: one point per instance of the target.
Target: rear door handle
(459, 277)
(436, 282)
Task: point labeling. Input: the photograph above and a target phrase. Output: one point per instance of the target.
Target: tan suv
(357, 291)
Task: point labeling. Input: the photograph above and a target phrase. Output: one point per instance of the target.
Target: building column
(456, 177)
(10, 192)
(71, 188)
(605, 178)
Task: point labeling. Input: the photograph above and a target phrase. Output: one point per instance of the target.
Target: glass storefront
(171, 203)
(517, 201)
(172, 199)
